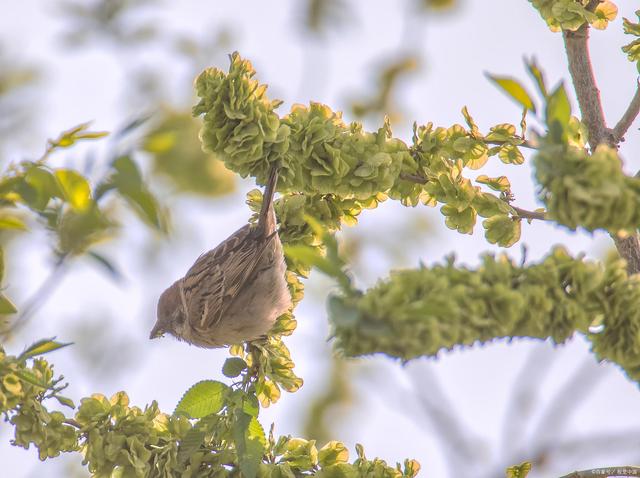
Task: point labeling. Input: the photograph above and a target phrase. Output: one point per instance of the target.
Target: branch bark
(628, 117)
(584, 82)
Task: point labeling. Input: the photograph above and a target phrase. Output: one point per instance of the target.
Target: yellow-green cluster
(421, 312)
(331, 170)
(572, 14)
(632, 49)
(589, 191)
(23, 386)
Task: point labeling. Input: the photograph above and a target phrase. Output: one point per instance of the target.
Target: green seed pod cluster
(420, 312)
(589, 191)
(572, 14)
(326, 156)
(133, 441)
(239, 122)
(337, 169)
(23, 386)
(299, 457)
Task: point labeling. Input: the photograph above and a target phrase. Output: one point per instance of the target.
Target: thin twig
(459, 446)
(524, 396)
(524, 144)
(525, 214)
(575, 389)
(628, 117)
(38, 298)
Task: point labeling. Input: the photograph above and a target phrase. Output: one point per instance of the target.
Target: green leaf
(71, 136)
(12, 222)
(558, 113)
(311, 256)
(519, 471)
(250, 441)
(537, 75)
(202, 399)
(6, 306)
(29, 377)
(515, 90)
(42, 347)
(502, 230)
(106, 264)
(128, 181)
(67, 402)
(233, 367)
(501, 183)
(75, 188)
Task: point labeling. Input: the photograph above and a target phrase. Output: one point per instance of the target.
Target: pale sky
(456, 49)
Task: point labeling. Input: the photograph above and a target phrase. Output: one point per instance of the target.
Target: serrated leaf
(233, 367)
(75, 188)
(515, 90)
(202, 399)
(42, 347)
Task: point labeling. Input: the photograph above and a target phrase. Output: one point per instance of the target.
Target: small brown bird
(233, 293)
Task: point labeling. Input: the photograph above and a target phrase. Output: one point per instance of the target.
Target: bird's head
(170, 315)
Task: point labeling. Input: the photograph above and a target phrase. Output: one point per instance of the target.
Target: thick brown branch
(577, 47)
(628, 117)
(584, 82)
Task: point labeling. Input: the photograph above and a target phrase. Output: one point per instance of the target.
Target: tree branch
(628, 117)
(584, 83)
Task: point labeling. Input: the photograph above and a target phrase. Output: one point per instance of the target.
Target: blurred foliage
(319, 16)
(111, 20)
(75, 210)
(326, 409)
(572, 14)
(177, 155)
(17, 82)
(388, 81)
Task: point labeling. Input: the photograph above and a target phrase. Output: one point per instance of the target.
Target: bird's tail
(267, 218)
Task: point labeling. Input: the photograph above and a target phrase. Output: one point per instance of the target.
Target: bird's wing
(215, 279)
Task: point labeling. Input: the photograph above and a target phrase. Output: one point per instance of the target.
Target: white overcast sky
(456, 50)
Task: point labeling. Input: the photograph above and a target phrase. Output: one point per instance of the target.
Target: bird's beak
(156, 332)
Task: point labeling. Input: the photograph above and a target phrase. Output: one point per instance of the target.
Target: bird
(234, 292)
